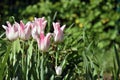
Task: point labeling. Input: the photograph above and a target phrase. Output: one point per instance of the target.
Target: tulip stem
(56, 59)
(38, 64)
(23, 67)
(42, 66)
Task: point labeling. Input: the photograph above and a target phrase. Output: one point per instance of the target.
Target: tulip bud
(58, 70)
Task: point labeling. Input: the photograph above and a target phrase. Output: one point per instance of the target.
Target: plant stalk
(42, 66)
(56, 60)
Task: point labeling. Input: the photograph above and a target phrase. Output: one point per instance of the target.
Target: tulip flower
(58, 70)
(11, 30)
(39, 25)
(58, 32)
(43, 41)
(24, 30)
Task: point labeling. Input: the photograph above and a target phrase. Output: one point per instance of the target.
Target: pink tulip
(11, 30)
(39, 25)
(58, 32)
(44, 41)
(24, 30)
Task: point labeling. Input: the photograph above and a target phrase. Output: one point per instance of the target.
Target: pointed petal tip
(35, 18)
(43, 17)
(5, 27)
(7, 22)
(16, 22)
(53, 23)
(21, 21)
(57, 23)
(63, 27)
(49, 35)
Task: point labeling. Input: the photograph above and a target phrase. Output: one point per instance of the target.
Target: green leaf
(16, 46)
(4, 62)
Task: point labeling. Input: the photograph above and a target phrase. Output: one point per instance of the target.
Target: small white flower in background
(58, 70)
(12, 32)
(15, 78)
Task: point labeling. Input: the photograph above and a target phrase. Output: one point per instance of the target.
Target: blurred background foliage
(96, 27)
(100, 17)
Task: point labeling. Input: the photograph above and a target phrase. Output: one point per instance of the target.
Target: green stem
(26, 66)
(38, 65)
(22, 52)
(14, 60)
(25, 58)
(42, 67)
(56, 59)
(56, 56)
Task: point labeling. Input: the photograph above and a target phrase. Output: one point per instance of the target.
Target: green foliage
(99, 17)
(79, 56)
(87, 52)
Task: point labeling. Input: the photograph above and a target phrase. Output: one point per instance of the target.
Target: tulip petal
(8, 23)
(22, 26)
(63, 27)
(47, 39)
(42, 37)
(5, 27)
